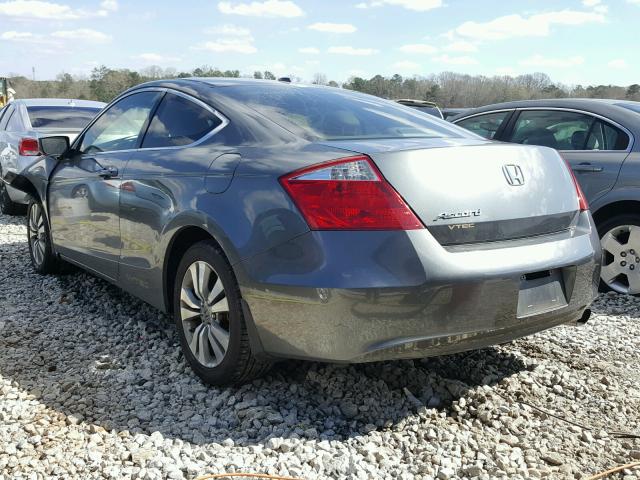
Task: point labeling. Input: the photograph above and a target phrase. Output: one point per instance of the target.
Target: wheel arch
(619, 207)
(182, 234)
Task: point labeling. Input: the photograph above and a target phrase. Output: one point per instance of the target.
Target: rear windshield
(630, 106)
(430, 110)
(61, 117)
(335, 114)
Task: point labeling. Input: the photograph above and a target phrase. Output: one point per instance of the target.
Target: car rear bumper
(368, 296)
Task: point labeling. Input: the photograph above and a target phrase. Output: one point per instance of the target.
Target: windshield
(335, 114)
(630, 106)
(75, 118)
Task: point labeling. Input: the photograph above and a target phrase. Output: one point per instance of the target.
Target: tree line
(447, 89)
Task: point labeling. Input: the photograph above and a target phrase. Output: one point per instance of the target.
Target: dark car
(281, 220)
(599, 139)
(449, 113)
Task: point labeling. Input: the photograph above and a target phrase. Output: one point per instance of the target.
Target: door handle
(108, 172)
(586, 167)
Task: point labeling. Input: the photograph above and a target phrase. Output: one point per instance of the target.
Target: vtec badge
(464, 214)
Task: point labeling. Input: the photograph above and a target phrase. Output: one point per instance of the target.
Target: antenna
(33, 73)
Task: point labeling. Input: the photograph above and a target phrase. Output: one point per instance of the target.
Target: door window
(178, 121)
(564, 130)
(486, 125)
(119, 127)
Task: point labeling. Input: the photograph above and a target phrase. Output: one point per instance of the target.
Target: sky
(574, 41)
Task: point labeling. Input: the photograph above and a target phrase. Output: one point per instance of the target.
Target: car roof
(594, 105)
(59, 102)
(608, 108)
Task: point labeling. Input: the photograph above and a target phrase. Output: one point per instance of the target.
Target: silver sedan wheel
(37, 234)
(621, 259)
(204, 311)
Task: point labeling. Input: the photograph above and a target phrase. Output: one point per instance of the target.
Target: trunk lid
(474, 191)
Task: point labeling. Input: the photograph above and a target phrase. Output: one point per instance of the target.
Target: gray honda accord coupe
(277, 220)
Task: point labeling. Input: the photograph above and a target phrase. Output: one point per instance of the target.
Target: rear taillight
(582, 200)
(28, 147)
(348, 194)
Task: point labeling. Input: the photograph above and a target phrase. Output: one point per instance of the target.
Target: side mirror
(54, 146)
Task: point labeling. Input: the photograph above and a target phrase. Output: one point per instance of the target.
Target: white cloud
(234, 45)
(418, 48)
(14, 36)
(590, 3)
(268, 8)
(461, 60)
(83, 34)
(110, 5)
(461, 46)
(406, 65)
(155, 58)
(309, 50)
(416, 5)
(230, 30)
(634, 2)
(332, 27)
(539, 25)
(552, 62)
(36, 9)
(618, 63)
(352, 51)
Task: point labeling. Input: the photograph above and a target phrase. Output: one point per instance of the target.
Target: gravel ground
(92, 385)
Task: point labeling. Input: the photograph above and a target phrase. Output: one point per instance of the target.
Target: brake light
(28, 147)
(582, 200)
(348, 194)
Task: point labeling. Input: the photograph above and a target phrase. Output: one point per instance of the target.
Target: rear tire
(210, 320)
(620, 240)
(43, 259)
(8, 206)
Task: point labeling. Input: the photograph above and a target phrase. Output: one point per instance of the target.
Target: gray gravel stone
(92, 385)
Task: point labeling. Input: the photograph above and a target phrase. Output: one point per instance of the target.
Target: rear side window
(179, 121)
(606, 137)
(15, 123)
(75, 118)
(486, 125)
(6, 113)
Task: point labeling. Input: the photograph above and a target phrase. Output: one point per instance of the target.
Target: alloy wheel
(621, 259)
(204, 311)
(37, 233)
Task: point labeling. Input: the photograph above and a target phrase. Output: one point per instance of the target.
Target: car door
(84, 191)
(594, 147)
(166, 175)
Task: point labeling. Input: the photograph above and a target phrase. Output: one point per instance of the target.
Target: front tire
(210, 320)
(43, 259)
(620, 240)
